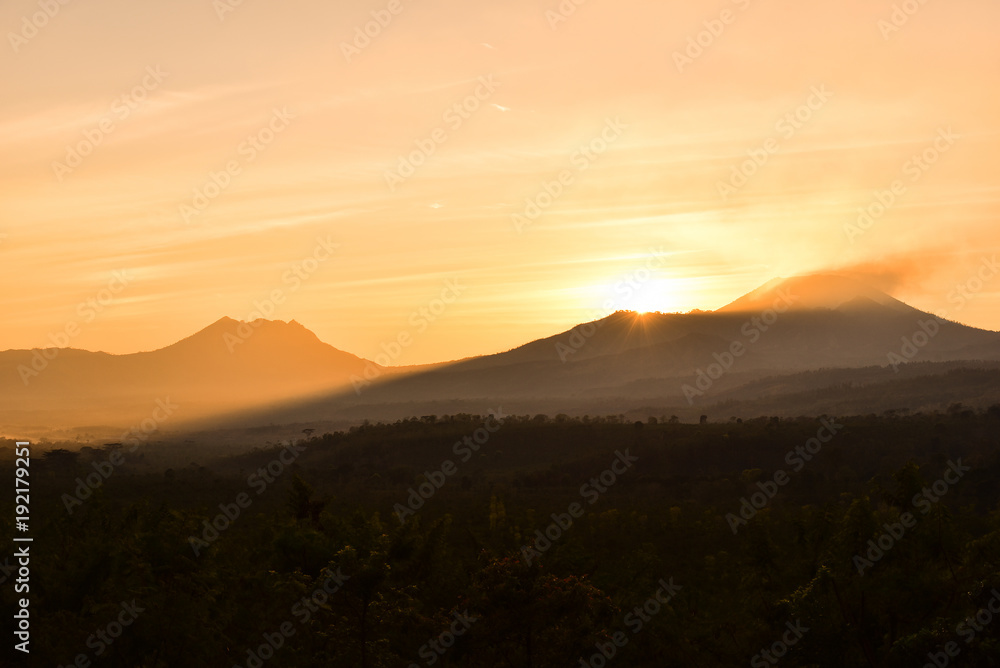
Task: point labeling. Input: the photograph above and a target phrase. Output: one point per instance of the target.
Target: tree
(527, 618)
(301, 503)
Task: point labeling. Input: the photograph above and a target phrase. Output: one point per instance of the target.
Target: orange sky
(163, 95)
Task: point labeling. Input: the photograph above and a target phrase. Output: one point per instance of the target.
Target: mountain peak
(230, 334)
(815, 291)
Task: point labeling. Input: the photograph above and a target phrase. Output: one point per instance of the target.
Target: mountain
(687, 361)
(774, 349)
(802, 323)
(228, 365)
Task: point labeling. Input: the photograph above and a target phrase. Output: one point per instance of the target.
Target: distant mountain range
(765, 352)
(805, 344)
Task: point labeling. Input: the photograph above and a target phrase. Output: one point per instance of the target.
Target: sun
(654, 295)
(644, 302)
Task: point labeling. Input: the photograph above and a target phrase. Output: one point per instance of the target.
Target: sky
(476, 174)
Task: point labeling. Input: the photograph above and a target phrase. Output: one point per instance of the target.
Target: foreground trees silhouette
(319, 571)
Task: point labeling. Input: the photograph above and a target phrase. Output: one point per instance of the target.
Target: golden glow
(606, 77)
(651, 299)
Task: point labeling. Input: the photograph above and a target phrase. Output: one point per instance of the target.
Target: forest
(523, 541)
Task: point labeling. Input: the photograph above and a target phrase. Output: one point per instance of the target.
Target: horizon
(774, 283)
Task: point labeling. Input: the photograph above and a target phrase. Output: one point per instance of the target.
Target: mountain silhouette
(278, 372)
(226, 366)
(625, 360)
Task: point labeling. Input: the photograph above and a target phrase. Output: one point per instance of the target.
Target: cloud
(899, 273)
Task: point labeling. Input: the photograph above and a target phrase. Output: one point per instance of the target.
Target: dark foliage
(317, 570)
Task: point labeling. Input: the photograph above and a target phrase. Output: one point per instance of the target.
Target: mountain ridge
(785, 326)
